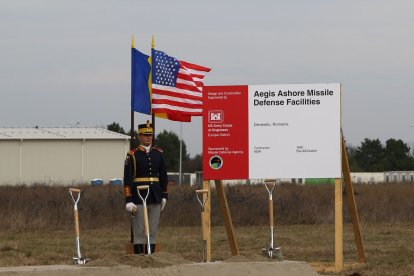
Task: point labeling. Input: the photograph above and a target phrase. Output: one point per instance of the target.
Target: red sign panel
(225, 132)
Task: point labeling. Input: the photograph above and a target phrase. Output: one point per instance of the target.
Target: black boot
(138, 248)
(152, 246)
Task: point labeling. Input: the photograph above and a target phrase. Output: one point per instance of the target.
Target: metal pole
(181, 152)
(131, 142)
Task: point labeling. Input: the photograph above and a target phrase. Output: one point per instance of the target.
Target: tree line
(370, 156)
(373, 156)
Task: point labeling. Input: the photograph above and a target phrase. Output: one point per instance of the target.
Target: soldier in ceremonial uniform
(145, 166)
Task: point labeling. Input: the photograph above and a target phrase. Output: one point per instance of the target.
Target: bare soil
(168, 264)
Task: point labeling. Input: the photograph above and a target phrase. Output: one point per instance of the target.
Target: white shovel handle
(75, 208)
(73, 190)
(202, 202)
(143, 187)
(144, 207)
(203, 225)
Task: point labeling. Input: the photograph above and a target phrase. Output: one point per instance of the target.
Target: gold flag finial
(152, 44)
(132, 43)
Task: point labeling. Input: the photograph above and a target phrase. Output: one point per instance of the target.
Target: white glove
(163, 203)
(131, 207)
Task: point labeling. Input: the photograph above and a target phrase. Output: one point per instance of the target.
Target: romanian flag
(140, 82)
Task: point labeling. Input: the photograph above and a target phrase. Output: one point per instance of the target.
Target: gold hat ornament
(145, 128)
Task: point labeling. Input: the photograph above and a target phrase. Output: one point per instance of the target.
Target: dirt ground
(168, 264)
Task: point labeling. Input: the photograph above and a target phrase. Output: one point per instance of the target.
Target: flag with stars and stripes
(177, 87)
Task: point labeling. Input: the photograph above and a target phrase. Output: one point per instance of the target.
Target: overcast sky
(64, 62)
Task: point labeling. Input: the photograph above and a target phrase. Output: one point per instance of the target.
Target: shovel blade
(80, 261)
(274, 253)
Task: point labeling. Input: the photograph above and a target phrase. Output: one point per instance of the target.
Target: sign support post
(225, 213)
(339, 243)
(352, 204)
(339, 263)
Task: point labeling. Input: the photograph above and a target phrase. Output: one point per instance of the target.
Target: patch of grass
(42, 232)
(389, 247)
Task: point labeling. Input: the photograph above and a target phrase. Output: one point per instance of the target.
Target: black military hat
(145, 128)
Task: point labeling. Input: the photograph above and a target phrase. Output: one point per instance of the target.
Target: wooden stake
(225, 212)
(207, 218)
(352, 205)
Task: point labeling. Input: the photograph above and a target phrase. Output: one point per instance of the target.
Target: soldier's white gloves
(163, 203)
(131, 207)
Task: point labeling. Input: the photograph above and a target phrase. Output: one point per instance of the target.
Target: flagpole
(181, 152)
(131, 141)
(152, 114)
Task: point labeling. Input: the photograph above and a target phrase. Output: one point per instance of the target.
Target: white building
(399, 176)
(63, 156)
(367, 177)
(380, 177)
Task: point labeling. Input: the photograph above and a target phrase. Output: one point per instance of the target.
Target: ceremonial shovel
(203, 226)
(271, 252)
(146, 224)
(78, 259)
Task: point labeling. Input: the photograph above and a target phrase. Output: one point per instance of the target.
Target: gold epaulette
(159, 149)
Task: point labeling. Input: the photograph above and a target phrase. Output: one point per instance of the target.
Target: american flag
(177, 87)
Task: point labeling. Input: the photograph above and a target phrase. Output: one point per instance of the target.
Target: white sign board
(293, 131)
